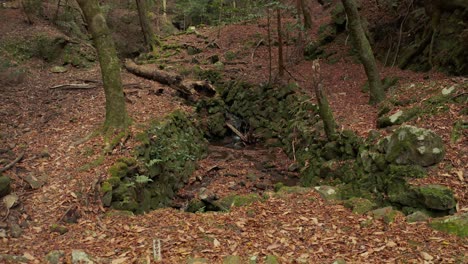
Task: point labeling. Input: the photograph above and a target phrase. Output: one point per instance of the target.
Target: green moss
(93, 164)
(106, 187)
(113, 181)
(293, 189)
(410, 171)
(278, 186)
(436, 197)
(4, 185)
(359, 205)
(118, 170)
(457, 225)
(195, 205)
(130, 161)
(387, 214)
(239, 200)
(58, 229)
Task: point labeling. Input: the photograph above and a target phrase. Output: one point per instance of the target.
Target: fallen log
(187, 89)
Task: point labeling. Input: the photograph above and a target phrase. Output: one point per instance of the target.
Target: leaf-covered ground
(50, 127)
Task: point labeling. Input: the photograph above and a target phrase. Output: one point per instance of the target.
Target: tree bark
(306, 14)
(325, 111)
(148, 33)
(280, 44)
(377, 93)
(116, 113)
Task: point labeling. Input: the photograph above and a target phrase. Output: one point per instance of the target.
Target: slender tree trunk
(116, 113)
(325, 111)
(364, 48)
(305, 14)
(148, 33)
(164, 7)
(269, 46)
(280, 45)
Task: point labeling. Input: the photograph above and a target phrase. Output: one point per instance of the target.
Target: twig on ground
(11, 164)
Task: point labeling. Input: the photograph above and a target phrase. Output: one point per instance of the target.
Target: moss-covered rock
(328, 193)
(436, 197)
(165, 160)
(387, 214)
(4, 185)
(398, 118)
(195, 205)
(359, 205)
(457, 224)
(412, 145)
(417, 216)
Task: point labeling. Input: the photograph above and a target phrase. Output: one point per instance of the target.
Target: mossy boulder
(328, 193)
(359, 205)
(410, 145)
(431, 197)
(398, 118)
(387, 214)
(456, 224)
(436, 197)
(4, 185)
(417, 216)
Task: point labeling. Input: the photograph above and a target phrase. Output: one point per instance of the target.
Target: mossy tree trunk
(325, 111)
(148, 33)
(116, 113)
(377, 93)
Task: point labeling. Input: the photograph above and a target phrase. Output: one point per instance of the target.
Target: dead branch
(255, 49)
(188, 89)
(11, 164)
(237, 132)
(73, 86)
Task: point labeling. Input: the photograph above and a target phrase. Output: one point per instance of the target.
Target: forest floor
(49, 126)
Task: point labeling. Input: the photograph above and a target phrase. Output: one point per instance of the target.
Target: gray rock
(327, 192)
(4, 185)
(54, 256)
(410, 145)
(387, 214)
(80, 257)
(33, 181)
(417, 217)
(15, 230)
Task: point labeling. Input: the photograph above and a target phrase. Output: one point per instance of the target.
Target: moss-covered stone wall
(163, 163)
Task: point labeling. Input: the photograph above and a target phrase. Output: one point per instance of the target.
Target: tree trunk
(325, 111)
(364, 48)
(116, 113)
(280, 45)
(305, 14)
(269, 46)
(164, 8)
(148, 33)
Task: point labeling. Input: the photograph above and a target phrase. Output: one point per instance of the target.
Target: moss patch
(165, 160)
(457, 225)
